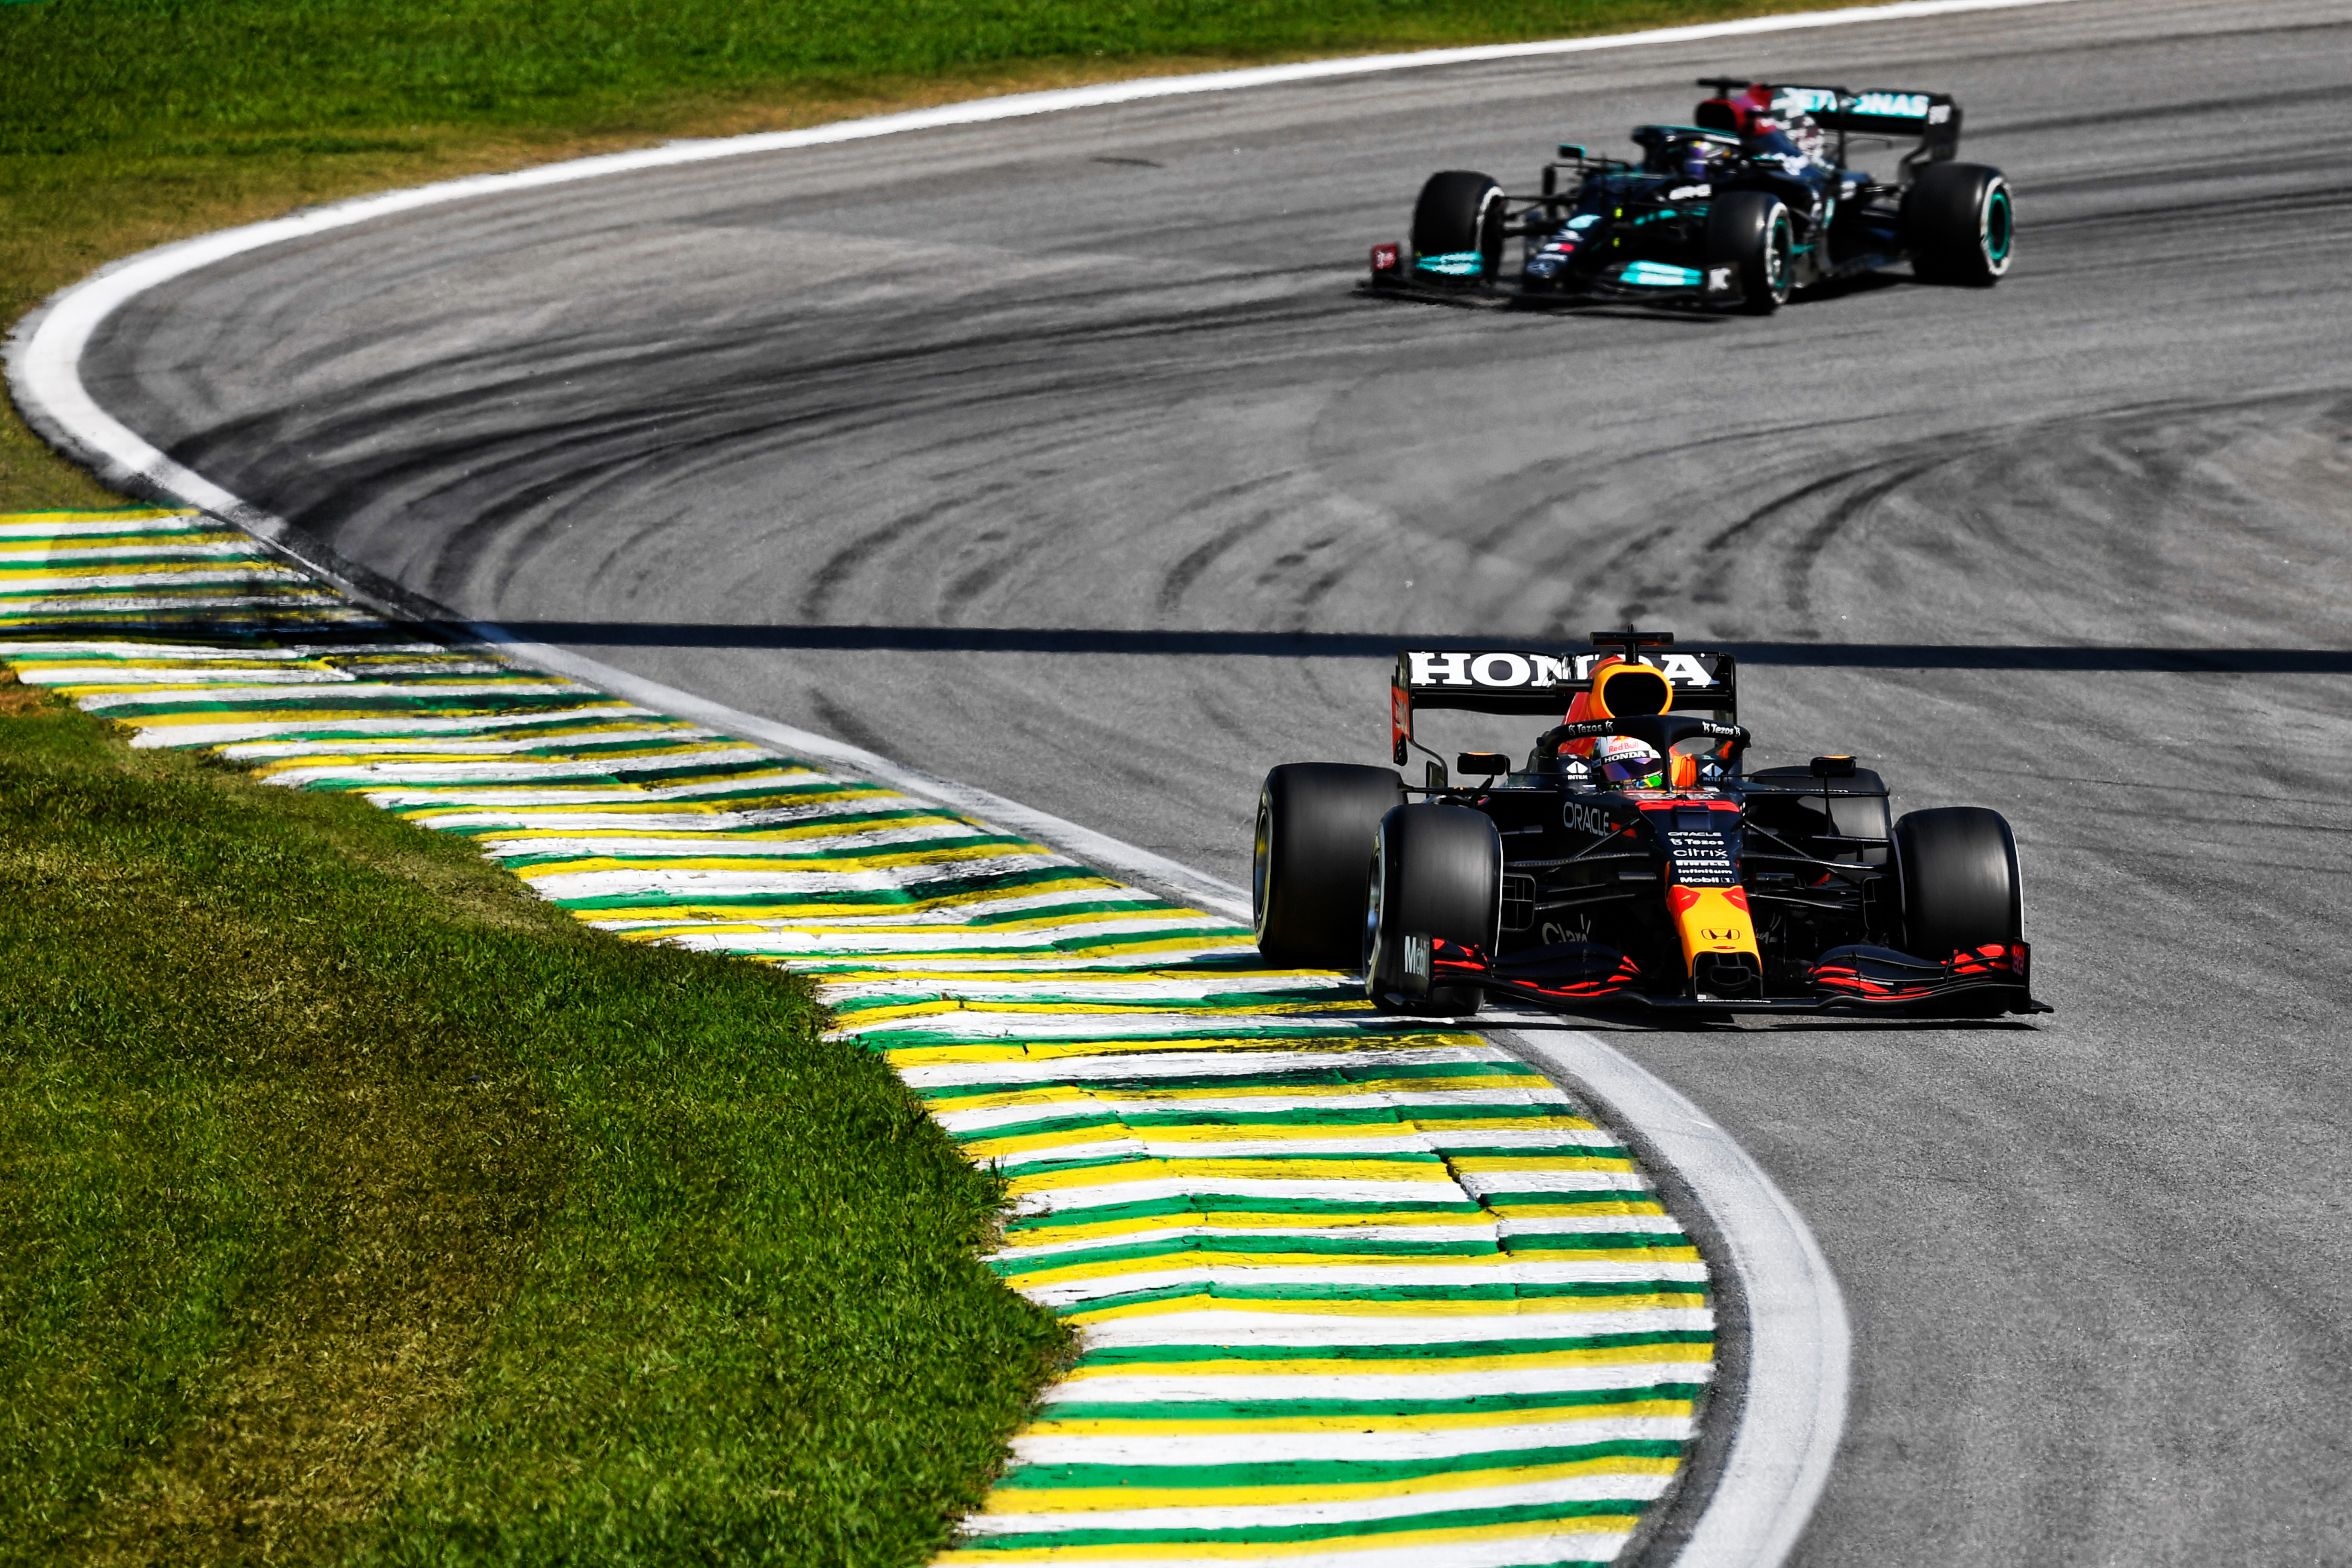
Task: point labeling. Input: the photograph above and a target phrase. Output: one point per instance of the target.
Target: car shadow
(1849, 287)
(1697, 1022)
(1521, 304)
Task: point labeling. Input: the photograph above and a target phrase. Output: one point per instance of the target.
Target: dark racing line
(1632, 859)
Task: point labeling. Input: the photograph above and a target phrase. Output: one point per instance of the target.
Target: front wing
(1575, 977)
(1655, 283)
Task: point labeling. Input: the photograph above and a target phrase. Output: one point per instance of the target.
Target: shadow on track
(1383, 645)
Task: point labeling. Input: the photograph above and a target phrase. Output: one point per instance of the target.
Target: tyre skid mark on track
(1296, 1235)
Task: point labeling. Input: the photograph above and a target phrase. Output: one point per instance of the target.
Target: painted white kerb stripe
(1794, 1411)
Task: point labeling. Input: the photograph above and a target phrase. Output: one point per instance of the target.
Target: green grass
(334, 75)
(354, 1206)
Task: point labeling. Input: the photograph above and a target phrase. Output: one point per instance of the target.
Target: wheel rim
(2000, 228)
(1491, 215)
(1261, 862)
(1373, 922)
(1777, 251)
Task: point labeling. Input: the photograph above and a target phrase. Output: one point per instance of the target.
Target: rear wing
(1932, 117)
(1539, 684)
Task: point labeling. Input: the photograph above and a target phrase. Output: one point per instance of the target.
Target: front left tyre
(1315, 827)
(1960, 222)
(1751, 231)
(1436, 876)
(1457, 227)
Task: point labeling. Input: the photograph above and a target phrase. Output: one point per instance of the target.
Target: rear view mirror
(1834, 767)
(1483, 763)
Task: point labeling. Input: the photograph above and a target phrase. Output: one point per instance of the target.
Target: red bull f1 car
(1631, 859)
(1759, 196)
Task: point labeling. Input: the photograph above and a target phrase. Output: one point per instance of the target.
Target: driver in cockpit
(1791, 138)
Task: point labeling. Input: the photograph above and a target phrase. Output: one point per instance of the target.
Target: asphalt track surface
(904, 441)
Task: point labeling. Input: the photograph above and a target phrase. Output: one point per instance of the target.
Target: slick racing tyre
(1960, 222)
(1751, 231)
(1457, 229)
(1958, 870)
(1436, 875)
(1314, 826)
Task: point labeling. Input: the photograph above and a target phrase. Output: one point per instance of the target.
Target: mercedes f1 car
(1758, 197)
(1632, 858)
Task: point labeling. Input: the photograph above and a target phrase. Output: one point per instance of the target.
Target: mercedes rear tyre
(1314, 826)
(1750, 230)
(1436, 876)
(1960, 887)
(1457, 227)
(1960, 222)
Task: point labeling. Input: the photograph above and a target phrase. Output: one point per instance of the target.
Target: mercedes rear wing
(1537, 683)
(1932, 117)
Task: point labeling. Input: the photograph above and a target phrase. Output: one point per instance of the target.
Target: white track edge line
(1800, 1340)
(1793, 1415)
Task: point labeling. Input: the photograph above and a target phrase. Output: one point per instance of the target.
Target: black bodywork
(1594, 878)
(1606, 228)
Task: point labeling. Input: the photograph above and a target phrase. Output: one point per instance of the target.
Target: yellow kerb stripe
(1449, 1421)
(1528, 1307)
(1208, 1257)
(1236, 1168)
(1306, 1088)
(1404, 1127)
(1590, 1524)
(1230, 1219)
(1010, 1497)
(1433, 1366)
(1059, 1051)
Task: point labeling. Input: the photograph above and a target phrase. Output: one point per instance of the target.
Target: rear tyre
(1960, 221)
(1751, 230)
(1961, 887)
(1457, 224)
(1314, 826)
(1437, 872)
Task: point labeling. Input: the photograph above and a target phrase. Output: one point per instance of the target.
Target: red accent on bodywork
(1679, 897)
(1841, 978)
(1385, 259)
(1993, 960)
(1450, 961)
